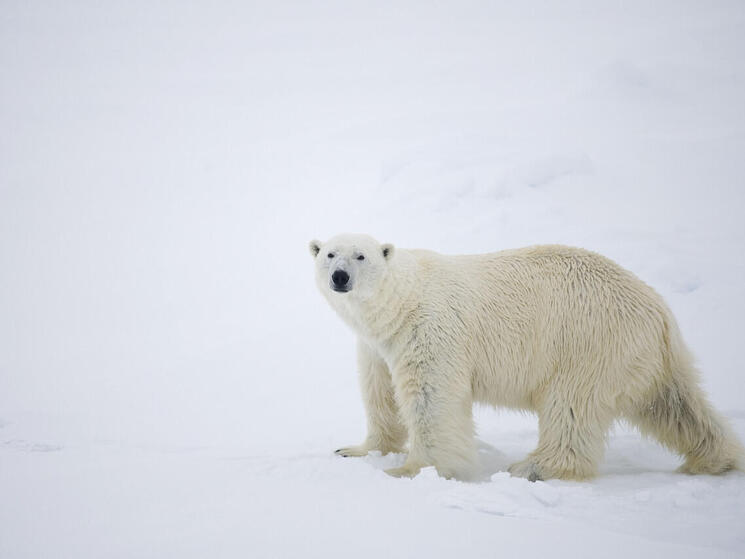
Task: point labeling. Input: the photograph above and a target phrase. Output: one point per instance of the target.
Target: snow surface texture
(171, 384)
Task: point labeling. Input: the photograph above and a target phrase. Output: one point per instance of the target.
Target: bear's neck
(380, 320)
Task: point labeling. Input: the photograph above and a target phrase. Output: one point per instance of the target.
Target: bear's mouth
(340, 289)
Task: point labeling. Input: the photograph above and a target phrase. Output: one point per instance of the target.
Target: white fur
(560, 331)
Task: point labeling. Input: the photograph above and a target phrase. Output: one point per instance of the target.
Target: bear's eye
(361, 257)
(330, 255)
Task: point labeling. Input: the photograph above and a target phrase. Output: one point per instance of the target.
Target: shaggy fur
(560, 331)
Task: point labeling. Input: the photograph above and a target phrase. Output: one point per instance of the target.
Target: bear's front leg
(385, 432)
(436, 405)
(571, 438)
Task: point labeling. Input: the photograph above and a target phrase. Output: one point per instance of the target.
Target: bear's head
(350, 265)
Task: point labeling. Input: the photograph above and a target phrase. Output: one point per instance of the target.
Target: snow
(171, 384)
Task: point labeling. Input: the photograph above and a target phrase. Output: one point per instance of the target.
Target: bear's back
(554, 265)
(541, 289)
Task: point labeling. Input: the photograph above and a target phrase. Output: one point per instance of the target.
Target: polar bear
(559, 331)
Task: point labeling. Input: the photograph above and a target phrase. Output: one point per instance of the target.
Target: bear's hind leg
(681, 418)
(385, 432)
(571, 442)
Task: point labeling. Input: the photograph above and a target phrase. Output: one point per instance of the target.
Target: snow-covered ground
(171, 384)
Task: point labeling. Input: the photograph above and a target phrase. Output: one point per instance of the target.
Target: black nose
(340, 278)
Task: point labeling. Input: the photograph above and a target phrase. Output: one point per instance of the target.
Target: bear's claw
(348, 451)
(527, 469)
(403, 471)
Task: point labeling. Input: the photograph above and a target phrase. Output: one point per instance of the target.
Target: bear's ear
(387, 250)
(315, 247)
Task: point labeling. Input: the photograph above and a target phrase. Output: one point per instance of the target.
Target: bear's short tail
(678, 414)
